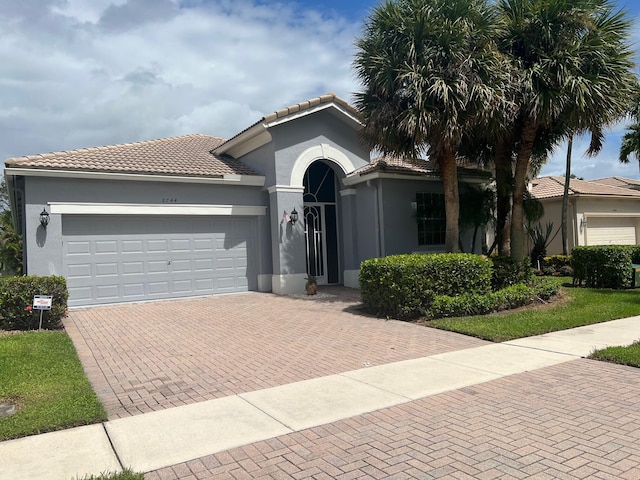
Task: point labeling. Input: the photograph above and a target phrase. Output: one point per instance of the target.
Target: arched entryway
(321, 223)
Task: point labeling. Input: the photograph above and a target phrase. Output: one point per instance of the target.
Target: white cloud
(80, 73)
(93, 73)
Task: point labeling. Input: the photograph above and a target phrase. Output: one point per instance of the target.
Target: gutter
(226, 179)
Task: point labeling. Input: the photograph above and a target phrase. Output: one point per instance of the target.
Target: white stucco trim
(228, 179)
(255, 137)
(431, 177)
(264, 282)
(319, 152)
(154, 209)
(611, 214)
(351, 278)
(285, 189)
(288, 284)
(348, 191)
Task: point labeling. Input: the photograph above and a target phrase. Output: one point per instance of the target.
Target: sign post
(42, 303)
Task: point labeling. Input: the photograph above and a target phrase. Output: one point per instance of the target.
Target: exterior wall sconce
(293, 218)
(44, 218)
(583, 223)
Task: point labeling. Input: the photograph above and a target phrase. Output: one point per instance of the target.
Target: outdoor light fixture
(293, 218)
(44, 218)
(583, 223)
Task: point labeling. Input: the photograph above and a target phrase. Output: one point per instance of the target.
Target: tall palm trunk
(565, 199)
(449, 172)
(525, 149)
(504, 178)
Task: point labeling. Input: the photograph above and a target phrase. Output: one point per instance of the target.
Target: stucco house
(600, 212)
(293, 194)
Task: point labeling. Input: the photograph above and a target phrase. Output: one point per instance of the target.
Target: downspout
(378, 219)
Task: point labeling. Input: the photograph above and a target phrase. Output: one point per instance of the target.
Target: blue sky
(81, 73)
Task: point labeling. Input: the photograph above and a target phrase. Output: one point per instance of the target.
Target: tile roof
(300, 107)
(620, 182)
(420, 166)
(553, 186)
(188, 155)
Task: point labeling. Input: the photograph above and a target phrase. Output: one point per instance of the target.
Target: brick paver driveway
(576, 420)
(149, 356)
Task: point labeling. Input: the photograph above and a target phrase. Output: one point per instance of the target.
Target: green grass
(124, 475)
(40, 373)
(583, 306)
(629, 355)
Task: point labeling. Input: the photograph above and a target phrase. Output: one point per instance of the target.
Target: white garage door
(611, 231)
(111, 259)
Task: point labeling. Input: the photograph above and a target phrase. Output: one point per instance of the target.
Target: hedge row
(403, 286)
(604, 266)
(16, 299)
(509, 297)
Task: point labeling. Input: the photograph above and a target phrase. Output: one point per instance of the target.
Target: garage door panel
(78, 248)
(611, 231)
(113, 259)
(132, 268)
(132, 246)
(82, 294)
(156, 246)
(133, 290)
(80, 271)
(203, 265)
(105, 247)
(156, 288)
(202, 244)
(106, 269)
(107, 292)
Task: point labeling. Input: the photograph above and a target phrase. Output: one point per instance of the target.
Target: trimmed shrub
(16, 298)
(557, 261)
(403, 286)
(566, 271)
(509, 297)
(507, 272)
(603, 266)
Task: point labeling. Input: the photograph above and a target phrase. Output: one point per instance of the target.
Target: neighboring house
(199, 215)
(600, 212)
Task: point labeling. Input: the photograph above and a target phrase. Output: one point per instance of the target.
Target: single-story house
(600, 212)
(294, 194)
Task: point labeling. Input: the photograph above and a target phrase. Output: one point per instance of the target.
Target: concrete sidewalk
(168, 437)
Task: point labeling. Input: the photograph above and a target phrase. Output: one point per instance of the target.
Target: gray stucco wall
(387, 203)
(44, 245)
(289, 140)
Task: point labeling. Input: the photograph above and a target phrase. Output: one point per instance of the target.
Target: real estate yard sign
(42, 303)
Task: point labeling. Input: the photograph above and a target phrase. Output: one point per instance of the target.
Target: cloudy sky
(82, 73)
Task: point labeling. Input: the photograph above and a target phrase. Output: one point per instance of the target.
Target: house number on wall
(169, 200)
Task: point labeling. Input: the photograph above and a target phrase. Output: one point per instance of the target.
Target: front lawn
(41, 374)
(582, 306)
(629, 355)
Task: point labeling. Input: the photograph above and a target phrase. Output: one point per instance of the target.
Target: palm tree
(574, 71)
(429, 74)
(631, 139)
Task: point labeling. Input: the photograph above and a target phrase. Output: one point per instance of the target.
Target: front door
(320, 222)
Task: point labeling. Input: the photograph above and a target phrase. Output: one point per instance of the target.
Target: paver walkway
(577, 420)
(151, 356)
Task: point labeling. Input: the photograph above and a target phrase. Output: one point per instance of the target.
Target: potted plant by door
(312, 285)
